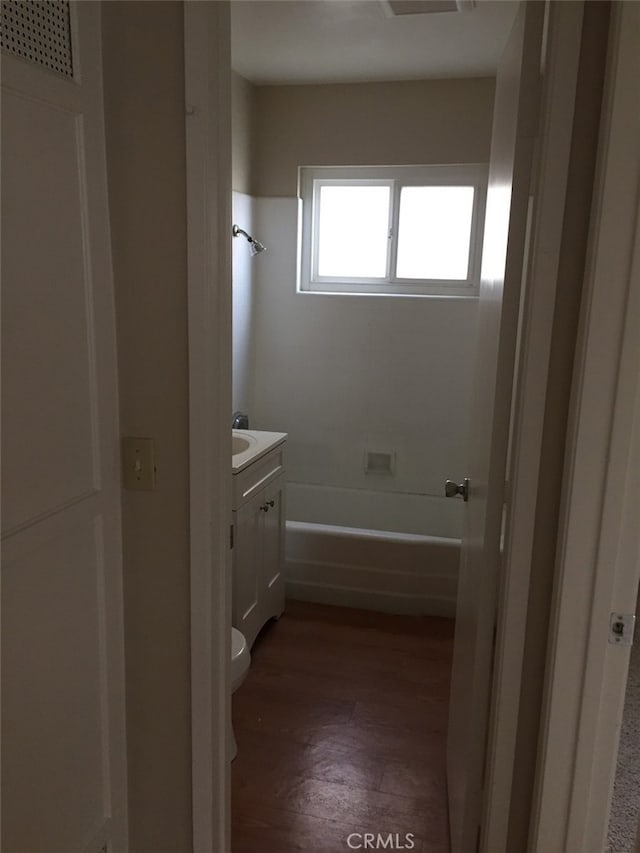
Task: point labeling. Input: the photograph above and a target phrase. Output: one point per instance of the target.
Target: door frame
(208, 152)
(207, 85)
(540, 283)
(598, 557)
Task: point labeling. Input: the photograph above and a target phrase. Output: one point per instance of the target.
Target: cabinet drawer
(258, 475)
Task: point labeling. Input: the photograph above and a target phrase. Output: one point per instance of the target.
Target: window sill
(458, 294)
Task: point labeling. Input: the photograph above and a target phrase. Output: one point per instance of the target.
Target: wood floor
(341, 729)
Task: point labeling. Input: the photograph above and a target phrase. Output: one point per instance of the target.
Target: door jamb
(540, 278)
(208, 154)
(598, 557)
(207, 69)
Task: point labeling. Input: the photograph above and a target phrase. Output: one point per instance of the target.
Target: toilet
(240, 660)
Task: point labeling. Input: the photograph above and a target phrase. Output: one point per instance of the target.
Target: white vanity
(258, 525)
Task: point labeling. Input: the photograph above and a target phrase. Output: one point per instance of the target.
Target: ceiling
(276, 42)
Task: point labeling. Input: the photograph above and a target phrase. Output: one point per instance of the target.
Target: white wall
(143, 52)
(350, 124)
(243, 266)
(345, 374)
(242, 132)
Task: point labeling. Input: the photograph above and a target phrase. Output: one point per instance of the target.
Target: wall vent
(397, 8)
(379, 462)
(38, 31)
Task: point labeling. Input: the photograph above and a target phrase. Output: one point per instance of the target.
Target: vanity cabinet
(258, 548)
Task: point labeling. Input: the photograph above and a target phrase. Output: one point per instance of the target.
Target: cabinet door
(247, 557)
(272, 565)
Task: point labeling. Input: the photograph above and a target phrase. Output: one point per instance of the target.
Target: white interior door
(63, 724)
(513, 137)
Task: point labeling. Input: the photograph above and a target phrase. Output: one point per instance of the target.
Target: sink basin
(249, 445)
(239, 444)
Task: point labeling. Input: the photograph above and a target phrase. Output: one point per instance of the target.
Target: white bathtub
(338, 552)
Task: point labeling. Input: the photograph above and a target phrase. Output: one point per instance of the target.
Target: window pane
(353, 231)
(434, 232)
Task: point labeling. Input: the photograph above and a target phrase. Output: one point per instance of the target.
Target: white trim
(599, 544)
(208, 95)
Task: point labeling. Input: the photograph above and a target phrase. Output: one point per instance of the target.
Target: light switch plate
(138, 464)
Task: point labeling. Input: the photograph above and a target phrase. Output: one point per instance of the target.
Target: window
(394, 230)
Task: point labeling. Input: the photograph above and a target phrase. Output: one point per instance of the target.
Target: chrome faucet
(240, 421)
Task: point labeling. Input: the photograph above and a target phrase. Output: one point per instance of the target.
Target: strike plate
(621, 628)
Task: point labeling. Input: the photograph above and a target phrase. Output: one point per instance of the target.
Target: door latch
(452, 489)
(621, 628)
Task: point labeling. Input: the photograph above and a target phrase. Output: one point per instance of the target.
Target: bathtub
(389, 552)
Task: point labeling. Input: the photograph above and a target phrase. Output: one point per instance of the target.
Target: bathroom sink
(249, 445)
(239, 444)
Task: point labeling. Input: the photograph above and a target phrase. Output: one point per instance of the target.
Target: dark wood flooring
(341, 729)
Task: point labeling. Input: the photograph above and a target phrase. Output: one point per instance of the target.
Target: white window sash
(312, 179)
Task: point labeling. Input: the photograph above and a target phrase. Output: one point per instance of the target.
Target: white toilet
(240, 660)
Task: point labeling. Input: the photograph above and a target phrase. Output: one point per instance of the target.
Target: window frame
(312, 178)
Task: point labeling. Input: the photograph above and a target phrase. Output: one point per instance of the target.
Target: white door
(513, 137)
(63, 724)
